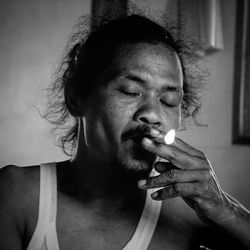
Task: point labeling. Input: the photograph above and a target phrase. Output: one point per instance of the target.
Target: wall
(33, 34)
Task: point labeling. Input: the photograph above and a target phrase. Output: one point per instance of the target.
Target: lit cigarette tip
(169, 137)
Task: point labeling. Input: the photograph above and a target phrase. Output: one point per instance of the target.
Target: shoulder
(19, 195)
(15, 180)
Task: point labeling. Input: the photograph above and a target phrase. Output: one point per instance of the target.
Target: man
(124, 188)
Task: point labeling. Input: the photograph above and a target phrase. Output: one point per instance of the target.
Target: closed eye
(169, 105)
(130, 93)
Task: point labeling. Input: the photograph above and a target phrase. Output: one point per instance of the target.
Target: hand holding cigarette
(187, 173)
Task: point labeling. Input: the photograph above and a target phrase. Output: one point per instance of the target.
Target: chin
(134, 160)
(137, 167)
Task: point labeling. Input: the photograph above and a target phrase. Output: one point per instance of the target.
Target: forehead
(151, 62)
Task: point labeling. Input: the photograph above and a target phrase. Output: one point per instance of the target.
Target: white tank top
(45, 235)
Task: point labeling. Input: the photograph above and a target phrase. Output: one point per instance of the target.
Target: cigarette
(169, 137)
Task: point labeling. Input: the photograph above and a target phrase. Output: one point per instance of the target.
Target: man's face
(141, 89)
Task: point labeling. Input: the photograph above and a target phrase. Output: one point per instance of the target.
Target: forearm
(236, 221)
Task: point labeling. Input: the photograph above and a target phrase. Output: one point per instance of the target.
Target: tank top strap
(47, 208)
(144, 231)
(45, 235)
(51, 234)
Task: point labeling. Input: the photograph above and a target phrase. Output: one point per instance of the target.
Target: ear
(73, 100)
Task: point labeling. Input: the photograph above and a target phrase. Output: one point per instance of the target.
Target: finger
(158, 136)
(187, 147)
(176, 156)
(162, 167)
(175, 176)
(191, 190)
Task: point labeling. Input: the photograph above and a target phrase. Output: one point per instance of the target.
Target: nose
(149, 113)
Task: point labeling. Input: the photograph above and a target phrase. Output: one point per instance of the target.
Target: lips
(132, 142)
(140, 137)
(138, 151)
(137, 133)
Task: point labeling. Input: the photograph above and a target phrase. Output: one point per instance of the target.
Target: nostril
(144, 120)
(148, 115)
(149, 121)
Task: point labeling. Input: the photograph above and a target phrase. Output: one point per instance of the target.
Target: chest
(78, 228)
(83, 227)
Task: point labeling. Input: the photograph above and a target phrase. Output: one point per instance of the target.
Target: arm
(237, 223)
(189, 174)
(230, 233)
(10, 229)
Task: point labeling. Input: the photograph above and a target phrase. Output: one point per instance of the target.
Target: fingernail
(148, 141)
(142, 183)
(154, 131)
(154, 195)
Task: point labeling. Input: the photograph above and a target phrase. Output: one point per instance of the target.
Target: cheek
(112, 117)
(117, 117)
(107, 117)
(172, 119)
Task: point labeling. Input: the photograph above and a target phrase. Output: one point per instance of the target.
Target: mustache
(137, 132)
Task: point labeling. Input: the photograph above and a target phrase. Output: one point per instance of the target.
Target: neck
(91, 181)
(110, 179)
(101, 185)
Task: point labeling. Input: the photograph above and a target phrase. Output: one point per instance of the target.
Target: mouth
(139, 137)
(137, 134)
(138, 151)
(133, 141)
(133, 149)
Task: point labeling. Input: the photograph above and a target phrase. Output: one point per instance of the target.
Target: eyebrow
(142, 82)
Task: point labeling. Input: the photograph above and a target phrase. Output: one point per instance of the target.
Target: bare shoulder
(16, 182)
(10, 172)
(19, 200)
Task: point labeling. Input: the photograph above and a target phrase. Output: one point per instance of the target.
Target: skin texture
(188, 174)
(145, 91)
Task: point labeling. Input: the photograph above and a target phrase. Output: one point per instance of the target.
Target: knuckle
(203, 157)
(191, 189)
(205, 186)
(197, 164)
(176, 188)
(165, 193)
(174, 153)
(207, 175)
(203, 163)
(171, 174)
(199, 202)
(151, 181)
(196, 188)
(200, 153)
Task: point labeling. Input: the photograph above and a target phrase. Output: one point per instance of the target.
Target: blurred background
(32, 38)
